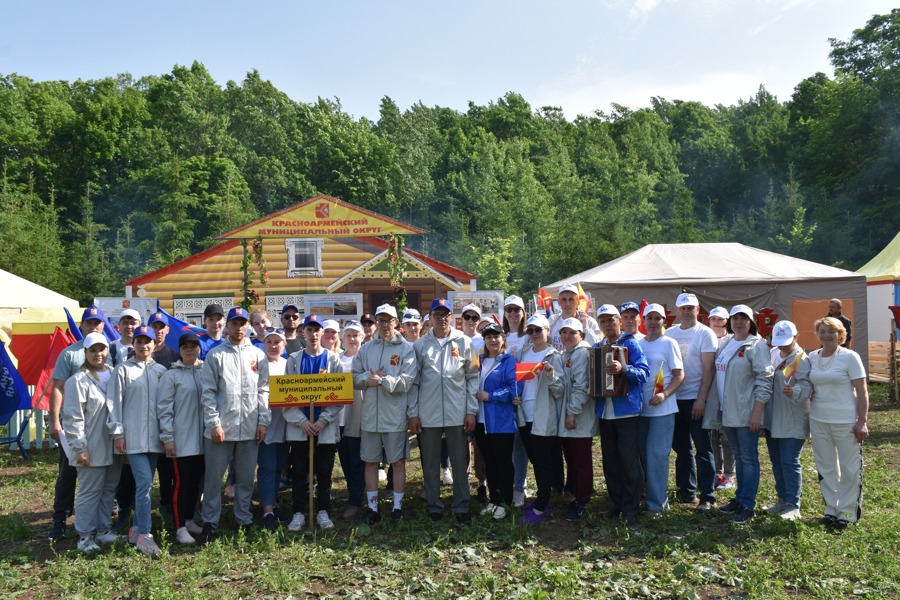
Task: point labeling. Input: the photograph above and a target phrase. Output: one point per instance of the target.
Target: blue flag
(13, 391)
(108, 330)
(73, 326)
(177, 328)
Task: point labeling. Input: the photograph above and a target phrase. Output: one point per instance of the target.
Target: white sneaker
(446, 477)
(183, 536)
(489, 509)
(297, 522)
(108, 537)
(323, 521)
(88, 545)
(789, 512)
(519, 499)
(499, 513)
(192, 527)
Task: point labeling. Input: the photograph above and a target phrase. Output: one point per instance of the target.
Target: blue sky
(581, 55)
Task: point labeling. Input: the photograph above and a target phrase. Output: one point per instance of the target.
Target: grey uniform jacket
(788, 416)
(748, 380)
(331, 433)
(577, 400)
(235, 390)
(85, 419)
(180, 414)
(548, 406)
(133, 391)
(352, 413)
(447, 380)
(384, 406)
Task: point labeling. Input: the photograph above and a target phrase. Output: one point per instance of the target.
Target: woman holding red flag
(657, 420)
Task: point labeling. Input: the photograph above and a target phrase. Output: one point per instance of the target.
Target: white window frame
(292, 245)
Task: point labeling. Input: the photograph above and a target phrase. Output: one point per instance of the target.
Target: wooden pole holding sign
(312, 475)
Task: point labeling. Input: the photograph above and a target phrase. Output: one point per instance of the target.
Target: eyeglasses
(384, 321)
(274, 330)
(441, 316)
(291, 316)
(512, 309)
(471, 318)
(533, 331)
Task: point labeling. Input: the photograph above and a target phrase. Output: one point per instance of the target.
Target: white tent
(883, 275)
(729, 274)
(17, 294)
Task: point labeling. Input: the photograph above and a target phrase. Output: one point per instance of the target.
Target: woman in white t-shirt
(838, 422)
(657, 420)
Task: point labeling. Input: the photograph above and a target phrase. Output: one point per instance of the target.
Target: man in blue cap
(162, 354)
(69, 362)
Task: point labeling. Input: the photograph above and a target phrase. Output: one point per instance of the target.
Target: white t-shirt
(662, 354)
(692, 342)
(722, 367)
(833, 399)
(530, 387)
(477, 343)
(277, 429)
(515, 342)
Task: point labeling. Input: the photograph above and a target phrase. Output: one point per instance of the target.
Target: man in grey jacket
(235, 404)
(386, 369)
(443, 403)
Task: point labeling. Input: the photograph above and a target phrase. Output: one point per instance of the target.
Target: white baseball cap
(783, 333)
(539, 320)
(569, 287)
(741, 309)
(607, 309)
(353, 326)
(412, 316)
(95, 338)
(332, 325)
(571, 323)
(686, 300)
(470, 307)
(130, 312)
(514, 301)
(657, 308)
(386, 309)
(719, 311)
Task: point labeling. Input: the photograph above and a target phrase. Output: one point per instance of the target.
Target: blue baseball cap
(439, 303)
(146, 331)
(238, 312)
(290, 306)
(630, 306)
(158, 317)
(92, 312)
(312, 320)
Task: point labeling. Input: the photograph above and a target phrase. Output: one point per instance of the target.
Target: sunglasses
(291, 316)
(512, 309)
(471, 318)
(274, 330)
(532, 331)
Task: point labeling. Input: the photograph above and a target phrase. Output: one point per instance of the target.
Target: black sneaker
(270, 522)
(435, 516)
(742, 516)
(612, 513)
(58, 530)
(207, 535)
(630, 518)
(397, 514)
(575, 511)
(840, 524)
(370, 517)
(828, 520)
(731, 508)
(464, 518)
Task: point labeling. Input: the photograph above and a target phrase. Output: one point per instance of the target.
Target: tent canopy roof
(16, 292)
(694, 264)
(886, 264)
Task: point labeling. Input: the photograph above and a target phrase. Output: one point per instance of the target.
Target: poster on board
(112, 307)
(490, 302)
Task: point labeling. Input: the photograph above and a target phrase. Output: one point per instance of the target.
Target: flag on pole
(526, 371)
(13, 391)
(177, 328)
(59, 342)
(644, 304)
(73, 326)
(660, 384)
(545, 301)
(584, 301)
(790, 369)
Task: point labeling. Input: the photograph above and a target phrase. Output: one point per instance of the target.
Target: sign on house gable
(321, 216)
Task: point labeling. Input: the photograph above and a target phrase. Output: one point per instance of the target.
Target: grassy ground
(682, 555)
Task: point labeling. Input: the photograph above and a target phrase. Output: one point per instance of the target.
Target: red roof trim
(183, 263)
(315, 199)
(432, 262)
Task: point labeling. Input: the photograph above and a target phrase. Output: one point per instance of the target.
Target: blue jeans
(745, 446)
(785, 456)
(270, 459)
(691, 477)
(656, 445)
(520, 463)
(142, 467)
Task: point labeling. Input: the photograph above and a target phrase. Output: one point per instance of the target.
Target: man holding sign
(386, 369)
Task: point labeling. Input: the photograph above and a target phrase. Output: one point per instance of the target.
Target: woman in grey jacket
(133, 392)
(181, 432)
(86, 424)
(740, 391)
(786, 419)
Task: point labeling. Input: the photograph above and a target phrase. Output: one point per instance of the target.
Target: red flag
(545, 300)
(584, 301)
(790, 369)
(643, 328)
(526, 371)
(659, 385)
(59, 342)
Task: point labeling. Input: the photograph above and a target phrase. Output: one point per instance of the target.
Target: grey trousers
(94, 501)
(217, 457)
(458, 447)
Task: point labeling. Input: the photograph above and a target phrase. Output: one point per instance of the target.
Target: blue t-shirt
(313, 365)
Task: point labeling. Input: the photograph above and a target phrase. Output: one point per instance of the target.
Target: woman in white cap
(412, 325)
(514, 326)
(718, 318)
(331, 336)
(86, 423)
(740, 391)
(541, 411)
(580, 426)
(786, 419)
(657, 420)
(273, 452)
(838, 422)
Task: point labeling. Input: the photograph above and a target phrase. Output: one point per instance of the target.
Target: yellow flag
(790, 369)
(660, 382)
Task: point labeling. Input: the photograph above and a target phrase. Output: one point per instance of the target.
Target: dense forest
(106, 179)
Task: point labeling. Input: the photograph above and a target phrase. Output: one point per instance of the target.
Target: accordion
(604, 384)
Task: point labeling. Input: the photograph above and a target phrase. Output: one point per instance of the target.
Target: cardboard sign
(300, 390)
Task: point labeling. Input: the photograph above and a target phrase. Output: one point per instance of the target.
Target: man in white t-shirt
(568, 305)
(695, 470)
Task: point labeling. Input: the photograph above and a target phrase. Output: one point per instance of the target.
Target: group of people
(519, 390)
